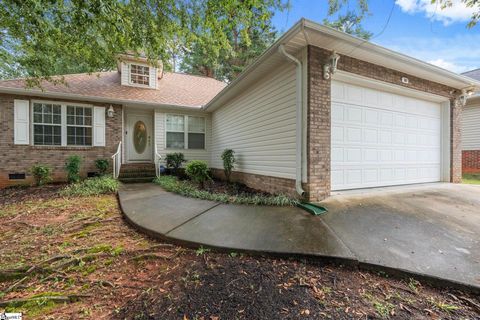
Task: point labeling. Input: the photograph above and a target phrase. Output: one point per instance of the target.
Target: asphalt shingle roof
(175, 89)
(474, 74)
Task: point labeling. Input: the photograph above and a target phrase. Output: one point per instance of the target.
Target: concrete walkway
(431, 231)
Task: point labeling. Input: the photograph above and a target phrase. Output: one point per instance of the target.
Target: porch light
(465, 94)
(110, 112)
(330, 66)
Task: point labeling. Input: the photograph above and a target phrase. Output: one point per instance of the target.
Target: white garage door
(382, 139)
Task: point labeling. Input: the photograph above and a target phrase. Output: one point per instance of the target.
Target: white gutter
(299, 120)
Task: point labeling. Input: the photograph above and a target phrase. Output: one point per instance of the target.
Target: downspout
(299, 120)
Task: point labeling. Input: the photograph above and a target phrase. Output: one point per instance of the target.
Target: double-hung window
(47, 124)
(196, 132)
(139, 74)
(175, 132)
(59, 124)
(185, 132)
(79, 126)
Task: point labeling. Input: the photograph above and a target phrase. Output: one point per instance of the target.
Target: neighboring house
(298, 121)
(471, 130)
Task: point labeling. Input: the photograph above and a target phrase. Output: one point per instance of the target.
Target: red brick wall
(319, 105)
(20, 158)
(471, 161)
(318, 126)
(272, 185)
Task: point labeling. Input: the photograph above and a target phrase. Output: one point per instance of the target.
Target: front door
(139, 138)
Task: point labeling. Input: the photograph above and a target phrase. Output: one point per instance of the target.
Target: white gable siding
(259, 125)
(160, 139)
(471, 128)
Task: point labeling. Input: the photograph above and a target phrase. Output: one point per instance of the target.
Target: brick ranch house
(320, 110)
(471, 130)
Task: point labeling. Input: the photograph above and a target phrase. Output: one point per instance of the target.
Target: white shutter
(153, 77)
(21, 121)
(99, 126)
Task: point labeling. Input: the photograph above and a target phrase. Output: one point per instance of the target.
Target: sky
(413, 27)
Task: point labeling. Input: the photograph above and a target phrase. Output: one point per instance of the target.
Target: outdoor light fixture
(330, 67)
(110, 112)
(465, 94)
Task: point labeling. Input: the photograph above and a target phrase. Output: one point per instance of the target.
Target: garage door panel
(380, 139)
(374, 177)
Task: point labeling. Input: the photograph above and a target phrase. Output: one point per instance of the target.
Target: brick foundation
(471, 161)
(272, 185)
(319, 109)
(20, 158)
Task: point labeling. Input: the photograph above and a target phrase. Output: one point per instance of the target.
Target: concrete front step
(136, 179)
(137, 172)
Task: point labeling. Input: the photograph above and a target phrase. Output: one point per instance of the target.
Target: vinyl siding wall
(259, 125)
(471, 128)
(160, 136)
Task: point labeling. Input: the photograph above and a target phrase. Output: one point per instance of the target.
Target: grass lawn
(472, 178)
(65, 258)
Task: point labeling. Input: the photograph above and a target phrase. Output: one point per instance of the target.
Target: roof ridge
(192, 75)
(469, 71)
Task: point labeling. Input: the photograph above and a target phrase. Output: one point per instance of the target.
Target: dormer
(137, 71)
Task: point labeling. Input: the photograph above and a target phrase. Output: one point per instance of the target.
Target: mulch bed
(18, 194)
(223, 287)
(233, 189)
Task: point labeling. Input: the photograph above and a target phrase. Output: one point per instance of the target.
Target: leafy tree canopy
(445, 4)
(43, 38)
(244, 45)
(349, 22)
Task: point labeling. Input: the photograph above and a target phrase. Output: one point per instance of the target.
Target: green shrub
(41, 174)
(228, 157)
(174, 161)
(102, 166)
(91, 187)
(187, 189)
(197, 170)
(72, 166)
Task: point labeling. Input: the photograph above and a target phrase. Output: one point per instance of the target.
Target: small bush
(197, 170)
(92, 187)
(41, 174)
(228, 157)
(102, 166)
(174, 161)
(187, 189)
(72, 166)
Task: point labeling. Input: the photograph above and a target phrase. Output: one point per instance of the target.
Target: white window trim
(63, 124)
(133, 84)
(185, 131)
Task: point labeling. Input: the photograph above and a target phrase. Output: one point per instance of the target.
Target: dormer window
(139, 74)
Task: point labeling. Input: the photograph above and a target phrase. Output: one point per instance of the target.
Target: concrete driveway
(431, 229)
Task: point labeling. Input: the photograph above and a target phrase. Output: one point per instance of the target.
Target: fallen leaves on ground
(64, 258)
